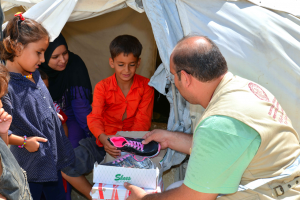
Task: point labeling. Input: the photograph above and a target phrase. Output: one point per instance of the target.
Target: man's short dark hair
(203, 61)
(125, 44)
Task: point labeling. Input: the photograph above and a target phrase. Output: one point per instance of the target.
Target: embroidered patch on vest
(258, 92)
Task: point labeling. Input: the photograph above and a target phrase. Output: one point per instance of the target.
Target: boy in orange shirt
(123, 101)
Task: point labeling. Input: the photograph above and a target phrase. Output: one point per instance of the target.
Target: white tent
(259, 39)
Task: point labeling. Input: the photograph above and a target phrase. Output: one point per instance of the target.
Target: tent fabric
(53, 14)
(92, 8)
(288, 6)
(167, 31)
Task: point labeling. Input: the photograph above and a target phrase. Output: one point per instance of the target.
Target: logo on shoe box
(120, 177)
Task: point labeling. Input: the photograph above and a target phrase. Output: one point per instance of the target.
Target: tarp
(53, 14)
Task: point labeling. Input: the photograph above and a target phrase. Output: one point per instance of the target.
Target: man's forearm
(167, 195)
(181, 142)
(182, 192)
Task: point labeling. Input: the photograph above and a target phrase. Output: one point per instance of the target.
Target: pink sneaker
(135, 146)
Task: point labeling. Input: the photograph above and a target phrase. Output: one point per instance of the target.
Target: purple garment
(77, 112)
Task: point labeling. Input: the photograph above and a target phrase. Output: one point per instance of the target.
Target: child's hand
(2, 197)
(5, 121)
(110, 149)
(60, 117)
(32, 143)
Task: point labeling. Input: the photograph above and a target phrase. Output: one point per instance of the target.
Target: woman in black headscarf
(70, 87)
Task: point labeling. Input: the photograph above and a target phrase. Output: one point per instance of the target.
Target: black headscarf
(74, 76)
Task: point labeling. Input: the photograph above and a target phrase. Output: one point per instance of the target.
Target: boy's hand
(32, 143)
(110, 149)
(5, 121)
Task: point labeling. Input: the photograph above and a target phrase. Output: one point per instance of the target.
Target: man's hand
(5, 121)
(158, 135)
(178, 141)
(32, 143)
(110, 149)
(136, 192)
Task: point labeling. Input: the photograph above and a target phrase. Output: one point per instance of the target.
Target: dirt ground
(156, 125)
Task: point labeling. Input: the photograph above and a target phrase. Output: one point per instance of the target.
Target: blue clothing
(13, 182)
(51, 190)
(77, 111)
(86, 154)
(33, 113)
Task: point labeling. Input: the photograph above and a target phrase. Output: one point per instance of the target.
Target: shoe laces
(120, 159)
(136, 145)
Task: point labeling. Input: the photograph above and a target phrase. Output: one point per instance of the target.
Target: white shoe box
(146, 178)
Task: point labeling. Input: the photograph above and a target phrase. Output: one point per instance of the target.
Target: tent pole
(175, 103)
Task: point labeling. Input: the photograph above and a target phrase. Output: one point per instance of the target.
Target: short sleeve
(222, 149)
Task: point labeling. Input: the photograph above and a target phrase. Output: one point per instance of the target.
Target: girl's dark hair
(18, 34)
(125, 44)
(4, 79)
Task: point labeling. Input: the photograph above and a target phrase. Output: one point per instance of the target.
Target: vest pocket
(9, 181)
(26, 192)
(241, 195)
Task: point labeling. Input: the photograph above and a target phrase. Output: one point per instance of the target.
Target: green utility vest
(273, 173)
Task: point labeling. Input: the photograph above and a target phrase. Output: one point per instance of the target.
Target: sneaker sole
(158, 151)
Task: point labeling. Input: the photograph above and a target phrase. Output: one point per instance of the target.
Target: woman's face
(59, 58)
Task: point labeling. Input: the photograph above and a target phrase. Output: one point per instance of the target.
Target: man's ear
(185, 78)
(111, 63)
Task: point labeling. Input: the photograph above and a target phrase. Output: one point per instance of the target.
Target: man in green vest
(244, 146)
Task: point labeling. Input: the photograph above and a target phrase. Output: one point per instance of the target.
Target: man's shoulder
(228, 125)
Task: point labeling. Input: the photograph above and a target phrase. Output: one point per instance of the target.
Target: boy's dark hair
(125, 44)
(20, 32)
(4, 79)
(203, 61)
(43, 74)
